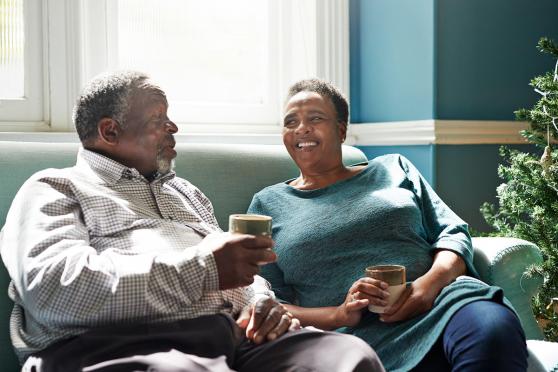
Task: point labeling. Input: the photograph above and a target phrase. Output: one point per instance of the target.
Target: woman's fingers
(357, 304)
(370, 300)
(371, 289)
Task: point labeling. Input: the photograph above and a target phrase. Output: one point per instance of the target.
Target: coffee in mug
(394, 276)
(253, 224)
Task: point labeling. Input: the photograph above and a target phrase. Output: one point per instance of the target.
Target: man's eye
(289, 123)
(315, 118)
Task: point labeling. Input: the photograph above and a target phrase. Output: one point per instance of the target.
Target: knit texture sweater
(386, 214)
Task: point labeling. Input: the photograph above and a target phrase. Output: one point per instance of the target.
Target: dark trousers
(481, 336)
(210, 343)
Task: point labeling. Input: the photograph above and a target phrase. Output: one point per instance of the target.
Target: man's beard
(164, 166)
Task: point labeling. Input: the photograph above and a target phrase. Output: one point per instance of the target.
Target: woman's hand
(419, 297)
(362, 293)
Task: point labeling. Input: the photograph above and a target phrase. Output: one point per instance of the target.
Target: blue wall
(486, 55)
(392, 57)
(452, 60)
(468, 177)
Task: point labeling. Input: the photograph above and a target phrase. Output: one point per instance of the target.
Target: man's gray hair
(108, 96)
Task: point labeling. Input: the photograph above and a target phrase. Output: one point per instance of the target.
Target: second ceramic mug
(394, 276)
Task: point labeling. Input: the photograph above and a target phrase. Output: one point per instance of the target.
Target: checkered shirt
(97, 244)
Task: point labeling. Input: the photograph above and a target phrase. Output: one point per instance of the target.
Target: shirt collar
(110, 170)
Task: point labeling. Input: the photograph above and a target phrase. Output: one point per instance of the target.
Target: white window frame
(29, 111)
(68, 65)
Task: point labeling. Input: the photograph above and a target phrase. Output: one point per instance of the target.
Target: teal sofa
(229, 175)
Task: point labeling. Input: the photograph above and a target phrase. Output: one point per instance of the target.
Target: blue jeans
(481, 336)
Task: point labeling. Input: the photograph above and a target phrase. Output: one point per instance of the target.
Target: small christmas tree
(528, 198)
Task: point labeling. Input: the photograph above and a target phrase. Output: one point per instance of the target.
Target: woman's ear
(108, 131)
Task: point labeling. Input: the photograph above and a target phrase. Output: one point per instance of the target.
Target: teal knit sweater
(386, 214)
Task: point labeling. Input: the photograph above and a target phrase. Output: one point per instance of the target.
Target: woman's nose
(303, 127)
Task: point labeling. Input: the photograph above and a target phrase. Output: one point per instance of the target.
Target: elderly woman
(332, 221)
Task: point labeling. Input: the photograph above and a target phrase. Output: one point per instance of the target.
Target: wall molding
(440, 132)
(399, 133)
(460, 132)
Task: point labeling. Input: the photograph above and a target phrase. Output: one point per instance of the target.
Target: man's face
(146, 141)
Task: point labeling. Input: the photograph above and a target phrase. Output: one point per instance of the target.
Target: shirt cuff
(261, 288)
(211, 281)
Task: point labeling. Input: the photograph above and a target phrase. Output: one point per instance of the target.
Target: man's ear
(342, 131)
(108, 131)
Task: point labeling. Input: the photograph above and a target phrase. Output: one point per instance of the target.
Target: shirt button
(227, 305)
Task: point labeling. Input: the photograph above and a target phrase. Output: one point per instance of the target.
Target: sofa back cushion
(228, 174)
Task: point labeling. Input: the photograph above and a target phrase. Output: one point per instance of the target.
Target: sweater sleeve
(444, 229)
(284, 293)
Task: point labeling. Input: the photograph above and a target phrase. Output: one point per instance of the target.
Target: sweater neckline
(329, 187)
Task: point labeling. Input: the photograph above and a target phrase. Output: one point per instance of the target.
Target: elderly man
(119, 265)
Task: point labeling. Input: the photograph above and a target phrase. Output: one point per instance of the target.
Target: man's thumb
(244, 317)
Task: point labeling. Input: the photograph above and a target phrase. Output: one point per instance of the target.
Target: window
(225, 65)
(11, 49)
(20, 62)
(215, 59)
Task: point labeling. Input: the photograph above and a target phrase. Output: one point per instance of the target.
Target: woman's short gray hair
(108, 96)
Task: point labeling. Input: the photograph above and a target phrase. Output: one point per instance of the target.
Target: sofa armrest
(502, 262)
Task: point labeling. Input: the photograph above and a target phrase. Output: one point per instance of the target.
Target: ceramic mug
(394, 276)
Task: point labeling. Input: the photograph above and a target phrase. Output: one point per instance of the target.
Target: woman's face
(311, 132)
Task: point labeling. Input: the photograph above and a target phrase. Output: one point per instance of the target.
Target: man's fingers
(281, 327)
(259, 314)
(295, 324)
(273, 319)
(244, 317)
(260, 256)
(238, 257)
(255, 241)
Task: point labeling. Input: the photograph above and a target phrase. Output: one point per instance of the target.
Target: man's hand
(238, 257)
(266, 320)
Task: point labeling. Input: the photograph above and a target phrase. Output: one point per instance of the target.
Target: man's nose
(171, 127)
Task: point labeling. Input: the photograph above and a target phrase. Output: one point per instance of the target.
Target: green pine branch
(527, 206)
